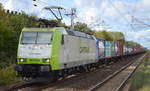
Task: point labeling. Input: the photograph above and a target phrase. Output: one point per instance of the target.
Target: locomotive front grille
(32, 68)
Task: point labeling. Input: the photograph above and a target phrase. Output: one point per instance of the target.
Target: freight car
(101, 47)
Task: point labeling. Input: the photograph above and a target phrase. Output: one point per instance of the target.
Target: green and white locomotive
(53, 52)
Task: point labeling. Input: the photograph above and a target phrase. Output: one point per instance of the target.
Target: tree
(103, 34)
(1, 7)
(132, 43)
(83, 28)
(117, 36)
(11, 25)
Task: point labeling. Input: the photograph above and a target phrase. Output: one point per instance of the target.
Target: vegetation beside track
(10, 27)
(140, 81)
(8, 76)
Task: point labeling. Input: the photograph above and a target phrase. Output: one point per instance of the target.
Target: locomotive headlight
(47, 60)
(21, 60)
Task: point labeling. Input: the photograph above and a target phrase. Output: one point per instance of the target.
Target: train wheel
(89, 68)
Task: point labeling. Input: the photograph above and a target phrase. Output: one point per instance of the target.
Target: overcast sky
(115, 15)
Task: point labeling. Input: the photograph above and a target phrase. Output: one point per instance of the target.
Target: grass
(8, 76)
(140, 81)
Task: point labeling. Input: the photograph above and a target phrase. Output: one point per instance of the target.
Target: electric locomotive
(53, 52)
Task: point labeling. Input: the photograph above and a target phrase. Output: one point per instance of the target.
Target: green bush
(8, 76)
(140, 80)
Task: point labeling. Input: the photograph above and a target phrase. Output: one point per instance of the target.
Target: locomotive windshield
(36, 38)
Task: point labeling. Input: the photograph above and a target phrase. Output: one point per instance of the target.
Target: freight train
(57, 52)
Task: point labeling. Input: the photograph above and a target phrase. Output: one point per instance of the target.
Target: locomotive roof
(30, 29)
(79, 34)
(61, 29)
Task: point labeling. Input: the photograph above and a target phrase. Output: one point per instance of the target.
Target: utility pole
(132, 20)
(72, 16)
(138, 22)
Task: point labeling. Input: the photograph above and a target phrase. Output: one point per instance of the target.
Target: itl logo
(84, 49)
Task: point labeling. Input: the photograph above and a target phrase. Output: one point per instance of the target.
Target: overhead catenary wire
(133, 18)
(131, 14)
(118, 11)
(131, 24)
(122, 15)
(136, 19)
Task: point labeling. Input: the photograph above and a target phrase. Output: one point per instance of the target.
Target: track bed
(82, 81)
(118, 80)
(87, 80)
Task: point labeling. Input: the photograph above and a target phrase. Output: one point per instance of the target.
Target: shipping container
(116, 49)
(126, 49)
(119, 48)
(130, 49)
(109, 49)
(136, 49)
(100, 47)
(112, 49)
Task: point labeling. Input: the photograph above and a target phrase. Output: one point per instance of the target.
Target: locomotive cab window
(44, 38)
(36, 38)
(29, 37)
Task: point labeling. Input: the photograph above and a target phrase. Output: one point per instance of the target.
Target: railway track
(84, 81)
(23, 85)
(29, 86)
(118, 80)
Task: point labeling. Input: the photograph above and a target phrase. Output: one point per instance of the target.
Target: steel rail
(98, 85)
